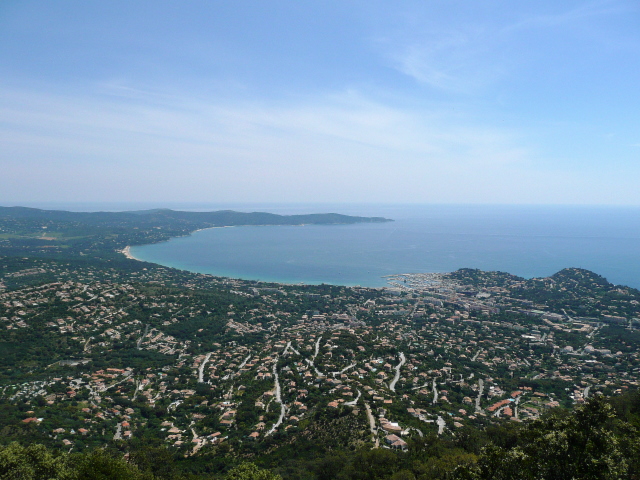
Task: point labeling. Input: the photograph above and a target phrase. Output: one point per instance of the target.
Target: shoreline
(356, 276)
(126, 251)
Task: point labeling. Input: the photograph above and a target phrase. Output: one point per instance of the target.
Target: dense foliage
(599, 440)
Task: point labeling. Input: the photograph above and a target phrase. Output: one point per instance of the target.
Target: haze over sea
(529, 241)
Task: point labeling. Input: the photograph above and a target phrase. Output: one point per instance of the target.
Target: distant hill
(161, 217)
(584, 293)
(92, 235)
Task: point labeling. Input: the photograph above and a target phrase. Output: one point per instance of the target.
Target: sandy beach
(126, 251)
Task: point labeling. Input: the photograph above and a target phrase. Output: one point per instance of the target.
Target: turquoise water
(523, 240)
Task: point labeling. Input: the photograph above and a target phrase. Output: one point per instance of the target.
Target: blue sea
(529, 241)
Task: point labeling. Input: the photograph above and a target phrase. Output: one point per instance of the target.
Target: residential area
(200, 362)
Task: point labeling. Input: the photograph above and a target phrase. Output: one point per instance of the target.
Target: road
(318, 373)
(372, 426)
(124, 379)
(135, 391)
(244, 362)
(232, 375)
(174, 405)
(498, 412)
(435, 392)
(289, 346)
(311, 362)
(317, 349)
(392, 385)
(441, 424)
(283, 409)
(353, 402)
(480, 390)
(201, 368)
(344, 369)
(146, 329)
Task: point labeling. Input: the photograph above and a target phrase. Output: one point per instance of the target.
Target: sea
(528, 241)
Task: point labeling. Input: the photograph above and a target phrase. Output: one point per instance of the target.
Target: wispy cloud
(454, 61)
(475, 51)
(585, 11)
(343, 140)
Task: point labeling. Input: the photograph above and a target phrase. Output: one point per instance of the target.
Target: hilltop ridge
(162, 215)
(101, 235)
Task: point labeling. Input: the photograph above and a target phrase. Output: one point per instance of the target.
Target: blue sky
(334, 101)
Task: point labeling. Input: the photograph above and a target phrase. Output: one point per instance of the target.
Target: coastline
(364, 257)
(126, 251)
(280, 281)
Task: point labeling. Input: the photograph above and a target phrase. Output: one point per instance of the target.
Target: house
(390, 427)
(396, 442)
(391, 438)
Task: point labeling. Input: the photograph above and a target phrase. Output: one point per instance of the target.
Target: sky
(492, 102)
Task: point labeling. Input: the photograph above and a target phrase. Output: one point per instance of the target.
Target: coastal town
(208, 364)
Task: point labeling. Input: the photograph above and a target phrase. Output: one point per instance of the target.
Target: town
(213, 365)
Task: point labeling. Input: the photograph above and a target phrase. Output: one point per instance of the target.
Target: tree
(582, 445)
(249, 471)
(373, 464)
(157, 460)
(100, 465)
(34, 462)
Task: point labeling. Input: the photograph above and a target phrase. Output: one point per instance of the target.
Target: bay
(529, 241)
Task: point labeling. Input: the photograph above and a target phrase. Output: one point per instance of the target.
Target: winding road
(318, 373)
(244, 362)
(479, 397)
(372, 426)
(201, 368)
(435, 392)
(283, 409)
(353, 402)
(317, 349)
(441, 424)
(146, 330)
(403, 360)
(344, 369)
